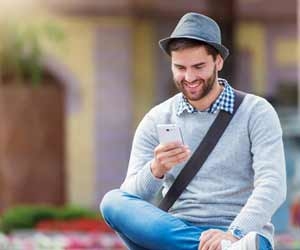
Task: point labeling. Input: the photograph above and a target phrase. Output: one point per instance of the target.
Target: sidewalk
(32, 240)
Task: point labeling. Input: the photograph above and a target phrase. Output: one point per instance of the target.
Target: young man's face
(195, 71)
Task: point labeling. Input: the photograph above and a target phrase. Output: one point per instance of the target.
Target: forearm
(142, 183)
(139, 179)
(261, 205)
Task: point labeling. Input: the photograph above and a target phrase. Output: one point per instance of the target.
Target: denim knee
(110, 203)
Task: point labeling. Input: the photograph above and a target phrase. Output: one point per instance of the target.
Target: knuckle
(162, 163)
(159, 148)
(215, 244)
(159, 158)
(179, 150)
(168, 167)
(177, 157)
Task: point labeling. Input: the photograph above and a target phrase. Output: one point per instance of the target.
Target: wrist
(236, 233)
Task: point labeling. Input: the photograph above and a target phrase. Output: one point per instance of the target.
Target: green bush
(26, 217)
(67, 213)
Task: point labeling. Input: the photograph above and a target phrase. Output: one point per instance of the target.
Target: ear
(219, 62)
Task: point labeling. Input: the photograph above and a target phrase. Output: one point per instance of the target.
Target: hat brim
(163, 44)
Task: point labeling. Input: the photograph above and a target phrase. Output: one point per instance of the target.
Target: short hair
(184, 43)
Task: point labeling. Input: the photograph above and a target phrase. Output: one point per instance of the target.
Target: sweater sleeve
(269, 170)
(139, 179)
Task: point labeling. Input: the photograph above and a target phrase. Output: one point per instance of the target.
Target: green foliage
(67, 213)
(26, 217)
(21, 51)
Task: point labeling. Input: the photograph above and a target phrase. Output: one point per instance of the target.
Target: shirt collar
(225, 101)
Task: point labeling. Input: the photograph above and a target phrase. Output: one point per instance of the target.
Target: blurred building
(114, 72)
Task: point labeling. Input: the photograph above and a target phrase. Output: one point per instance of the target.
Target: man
(232, 198)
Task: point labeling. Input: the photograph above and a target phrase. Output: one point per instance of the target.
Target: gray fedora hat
(198, 27)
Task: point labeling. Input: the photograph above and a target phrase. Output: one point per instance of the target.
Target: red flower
(82, 225)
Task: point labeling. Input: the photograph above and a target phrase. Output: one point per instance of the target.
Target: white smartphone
(169, 133)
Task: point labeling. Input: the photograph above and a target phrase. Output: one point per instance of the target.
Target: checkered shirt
(225, 101)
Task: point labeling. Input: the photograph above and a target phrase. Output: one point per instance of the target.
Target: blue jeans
(143, 226)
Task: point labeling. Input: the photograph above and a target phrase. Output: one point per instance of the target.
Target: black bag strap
(200, 155)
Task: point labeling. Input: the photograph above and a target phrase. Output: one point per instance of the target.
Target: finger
(170, 146)
(205, 238)
(173, 155)
(176, 159)
(173, 152)
(182, 157)
(177, 152)
(165, 159)
(214, 242)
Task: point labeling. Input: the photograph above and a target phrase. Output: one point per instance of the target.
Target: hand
(166, 156)
(211, 239)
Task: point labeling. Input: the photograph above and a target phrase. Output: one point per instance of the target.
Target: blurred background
(77, 76)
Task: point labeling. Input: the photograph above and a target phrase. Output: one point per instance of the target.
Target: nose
(190, 76)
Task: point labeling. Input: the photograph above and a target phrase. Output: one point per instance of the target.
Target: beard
(204, 85)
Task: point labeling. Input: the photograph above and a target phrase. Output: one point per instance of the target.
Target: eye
(179, 67)
(200, 66)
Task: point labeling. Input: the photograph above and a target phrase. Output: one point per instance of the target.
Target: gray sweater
(242, 182)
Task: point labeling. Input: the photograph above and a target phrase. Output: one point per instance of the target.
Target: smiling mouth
(192, 85)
